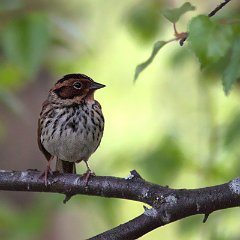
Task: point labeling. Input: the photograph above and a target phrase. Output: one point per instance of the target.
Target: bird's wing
(41, 147)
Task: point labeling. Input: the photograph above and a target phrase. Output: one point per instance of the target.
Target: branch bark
(167, 205)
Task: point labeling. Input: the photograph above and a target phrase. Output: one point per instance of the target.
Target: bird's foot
(87, 175)
(45, 174)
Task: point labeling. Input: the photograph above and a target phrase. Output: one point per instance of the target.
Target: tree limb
(167, 205)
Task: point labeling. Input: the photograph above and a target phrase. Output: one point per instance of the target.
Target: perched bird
(71, 123)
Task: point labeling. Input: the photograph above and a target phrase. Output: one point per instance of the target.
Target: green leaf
(156, 47)
(173, 15)
(208, 40)
(25, 41)
(232, 71)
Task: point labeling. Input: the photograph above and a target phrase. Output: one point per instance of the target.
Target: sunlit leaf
(173, 15)
(25, 41)
(209, 40)
(157, 46)
(232, 71)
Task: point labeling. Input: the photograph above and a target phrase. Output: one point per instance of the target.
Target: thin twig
(219, 7)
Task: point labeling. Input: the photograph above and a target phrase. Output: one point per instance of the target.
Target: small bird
(71, 123)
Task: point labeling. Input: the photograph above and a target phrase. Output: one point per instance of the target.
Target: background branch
(167, 205)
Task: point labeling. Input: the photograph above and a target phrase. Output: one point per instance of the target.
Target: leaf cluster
(215, 43)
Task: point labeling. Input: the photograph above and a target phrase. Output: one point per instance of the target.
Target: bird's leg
(47, 170)
(88, 173)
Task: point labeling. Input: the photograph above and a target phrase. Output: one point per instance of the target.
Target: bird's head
(74, 89)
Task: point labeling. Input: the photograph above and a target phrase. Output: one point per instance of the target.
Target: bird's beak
(95, 86)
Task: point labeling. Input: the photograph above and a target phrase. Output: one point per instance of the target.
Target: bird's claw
(87, 175)
(45, 174)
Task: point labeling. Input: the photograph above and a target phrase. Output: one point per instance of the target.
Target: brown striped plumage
(71, 122)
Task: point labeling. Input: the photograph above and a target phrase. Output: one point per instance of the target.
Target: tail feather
(65, 167)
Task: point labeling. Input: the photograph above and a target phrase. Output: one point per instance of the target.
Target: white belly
(72, 138)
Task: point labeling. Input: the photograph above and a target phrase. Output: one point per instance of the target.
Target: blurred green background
(174, 126)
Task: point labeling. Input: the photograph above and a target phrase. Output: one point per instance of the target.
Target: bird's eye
(77, 85)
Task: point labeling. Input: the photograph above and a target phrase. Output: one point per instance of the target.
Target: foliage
(143, 20)
(231, 72)
(203, 33)
(214, 42)
(173, 15)
(25, 41)
(27, 36)
(156, 47)
(175, 128)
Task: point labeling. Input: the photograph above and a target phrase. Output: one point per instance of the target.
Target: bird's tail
(65, 167)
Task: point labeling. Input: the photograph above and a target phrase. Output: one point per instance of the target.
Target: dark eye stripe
(63, 93)
(58, 90)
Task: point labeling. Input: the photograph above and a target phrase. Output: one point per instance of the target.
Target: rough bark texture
(167, 205)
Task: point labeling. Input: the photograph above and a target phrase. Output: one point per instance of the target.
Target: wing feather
(41, 147)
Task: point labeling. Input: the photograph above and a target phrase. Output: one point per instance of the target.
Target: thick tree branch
(167, 205)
